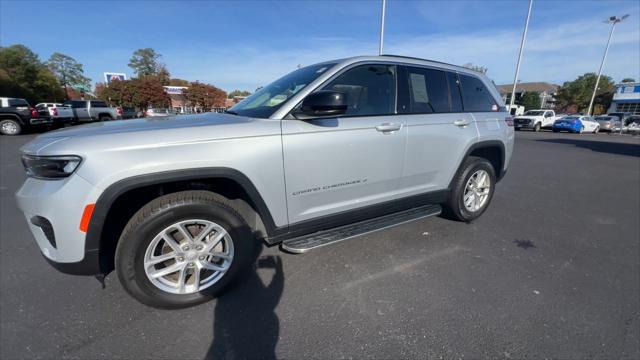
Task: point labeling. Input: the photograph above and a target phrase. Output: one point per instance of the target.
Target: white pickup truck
(535, 120)
(59, 113)
(92, 110)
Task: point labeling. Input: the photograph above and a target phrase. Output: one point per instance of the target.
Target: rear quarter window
(475, 96)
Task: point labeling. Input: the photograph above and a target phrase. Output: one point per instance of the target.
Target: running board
(305, 243)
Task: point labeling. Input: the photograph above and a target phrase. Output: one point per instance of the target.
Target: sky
(247, 44)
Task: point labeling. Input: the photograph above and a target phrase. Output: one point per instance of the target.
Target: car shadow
(600, 146)
(245, 323)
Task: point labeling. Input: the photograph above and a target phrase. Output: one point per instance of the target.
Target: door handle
(461, 122)
(388, 127)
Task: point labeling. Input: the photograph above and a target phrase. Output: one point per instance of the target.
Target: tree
(578, 92)
(479, 68)
(141, 93)
(163, 75)
(144, 62)
(236, 92)
(68, 72)
(530, 100)
(628, 80)
(179, 82)
(23, 75)
(204, 95)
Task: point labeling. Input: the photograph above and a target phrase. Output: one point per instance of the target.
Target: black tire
(10, 127)
(164, 211)
(454, 208)
(517, 129)
(105, 118)
(555, 131)
(536, 127)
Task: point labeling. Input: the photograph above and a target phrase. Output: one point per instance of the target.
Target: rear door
(438, 130)
(348, 162)
(81, 110)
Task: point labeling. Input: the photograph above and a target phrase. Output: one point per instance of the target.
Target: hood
(149, 132)
(147, 124)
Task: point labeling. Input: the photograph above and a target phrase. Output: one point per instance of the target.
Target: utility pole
(524, 37)
(613, 20)
(384, 3)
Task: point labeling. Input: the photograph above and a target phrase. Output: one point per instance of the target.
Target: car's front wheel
(182, 249)
(536, 127)
(472, 190)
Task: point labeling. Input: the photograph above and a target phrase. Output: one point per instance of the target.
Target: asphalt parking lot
(551, 270)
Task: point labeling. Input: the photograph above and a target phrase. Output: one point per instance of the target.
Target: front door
(353, 161)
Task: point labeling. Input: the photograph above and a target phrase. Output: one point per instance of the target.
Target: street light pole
(524, 37)
(613, 20)
(384, 3)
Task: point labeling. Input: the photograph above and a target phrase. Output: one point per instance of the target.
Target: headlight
(50, 167)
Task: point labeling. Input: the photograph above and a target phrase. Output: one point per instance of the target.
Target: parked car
(326, 153)
(516, 110)
(92, 110)
(633, 124)
(576, 124)
(59, 113)
(159, 112)
(624, 117)
(16, 115)
(128, 112)
(608, 122)
(535, 120)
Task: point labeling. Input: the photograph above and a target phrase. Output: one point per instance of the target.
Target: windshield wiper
(230, 112)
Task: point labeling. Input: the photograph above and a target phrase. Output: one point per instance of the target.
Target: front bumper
(61, 204)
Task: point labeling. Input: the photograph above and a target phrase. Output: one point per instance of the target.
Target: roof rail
(417, 58)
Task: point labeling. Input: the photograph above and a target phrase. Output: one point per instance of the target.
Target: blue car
(576, 124)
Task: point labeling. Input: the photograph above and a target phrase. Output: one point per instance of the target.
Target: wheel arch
(9, 116)
(492, 150)
(121, 200)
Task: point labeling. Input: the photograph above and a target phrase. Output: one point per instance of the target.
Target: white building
(626, 99)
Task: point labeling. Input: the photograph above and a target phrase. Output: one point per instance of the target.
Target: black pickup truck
(16, 115)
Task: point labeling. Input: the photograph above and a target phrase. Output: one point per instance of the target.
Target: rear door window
(475, 96)
(18, 103)
(428, 91)
(98, 104)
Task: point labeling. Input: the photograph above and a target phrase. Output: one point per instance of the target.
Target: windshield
(264, 102)
(534, 113)
(603, 118)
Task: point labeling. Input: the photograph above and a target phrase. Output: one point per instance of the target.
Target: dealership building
(626, 98)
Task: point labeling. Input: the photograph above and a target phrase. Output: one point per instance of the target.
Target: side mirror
(322, 104)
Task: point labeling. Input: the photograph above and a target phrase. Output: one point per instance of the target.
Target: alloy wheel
(476, 191)
(9, 128)
(188, 256)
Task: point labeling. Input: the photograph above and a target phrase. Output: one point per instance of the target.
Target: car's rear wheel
(581, 130)
(556, 130)
(596, 130)
(472, 190)
(182, 249)
(10, 127)
(105, 118)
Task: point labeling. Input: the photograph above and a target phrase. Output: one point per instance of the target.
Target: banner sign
(174, 90)
(109, 77)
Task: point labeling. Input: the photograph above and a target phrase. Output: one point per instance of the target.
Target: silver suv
(178, 205)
